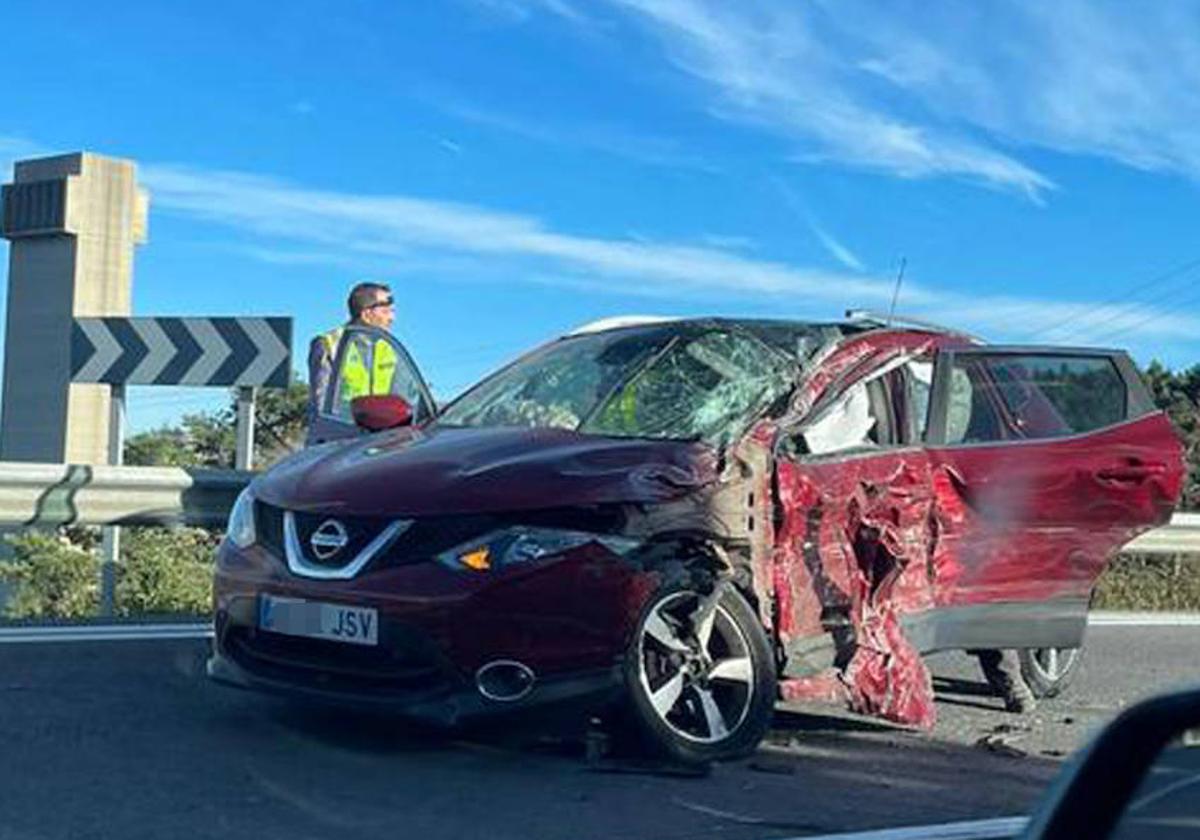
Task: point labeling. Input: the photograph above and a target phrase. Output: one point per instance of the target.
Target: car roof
(855, 322)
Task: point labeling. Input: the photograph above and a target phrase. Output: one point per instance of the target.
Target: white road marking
(106, 632)
(1000, 827)
(1143, 619)
(720, 814)
(1163, 793)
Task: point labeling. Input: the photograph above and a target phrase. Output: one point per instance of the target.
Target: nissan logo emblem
(328, 539)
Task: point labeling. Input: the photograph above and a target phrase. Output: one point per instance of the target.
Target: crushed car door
(1045, 461)
(369, 360)
(853, 544)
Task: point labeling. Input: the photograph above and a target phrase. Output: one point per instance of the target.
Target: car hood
(465, 470)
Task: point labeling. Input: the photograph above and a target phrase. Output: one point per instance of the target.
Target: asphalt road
(127, 739)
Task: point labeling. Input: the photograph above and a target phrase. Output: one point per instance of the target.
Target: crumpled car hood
(466, 470)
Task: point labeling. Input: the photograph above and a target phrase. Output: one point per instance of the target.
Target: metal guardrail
(65, 494)
(1181, 536)
(72, 494)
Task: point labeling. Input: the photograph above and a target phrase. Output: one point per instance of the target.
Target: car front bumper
(436, 629)
(444, 708)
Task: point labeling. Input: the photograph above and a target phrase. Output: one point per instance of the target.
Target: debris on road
(1001, 741)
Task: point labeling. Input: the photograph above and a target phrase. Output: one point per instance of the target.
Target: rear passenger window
(918, 380)
(1012, 397)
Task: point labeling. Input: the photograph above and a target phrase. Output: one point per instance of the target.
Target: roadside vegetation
(1178, 394)
(56, 575)
(1143, 582)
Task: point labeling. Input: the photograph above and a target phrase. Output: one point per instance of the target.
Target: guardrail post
(110, 547)
(244, 457)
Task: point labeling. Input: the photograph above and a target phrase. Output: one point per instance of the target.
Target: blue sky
(517, 167)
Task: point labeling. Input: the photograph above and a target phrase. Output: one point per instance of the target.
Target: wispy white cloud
(771, 66)
(296, 224)
(966, 90)
(359, 260)
(401, 224)
(728, 242)
(1062, 322)
(800, 209)
(640, 147)
(1114, 80)
(397, 234)
(520, 10)
(837, 250)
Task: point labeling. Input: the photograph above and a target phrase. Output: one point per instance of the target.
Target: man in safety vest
(368, 366)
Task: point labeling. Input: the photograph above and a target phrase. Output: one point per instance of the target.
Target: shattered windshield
(662, 383)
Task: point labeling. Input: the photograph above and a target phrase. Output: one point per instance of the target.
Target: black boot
(1003, 673)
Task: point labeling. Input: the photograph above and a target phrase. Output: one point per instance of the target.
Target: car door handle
(1131, 472)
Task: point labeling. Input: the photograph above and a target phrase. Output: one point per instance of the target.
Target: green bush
(57, 575)
(165, 571)
(50, 577)
(1145, 582)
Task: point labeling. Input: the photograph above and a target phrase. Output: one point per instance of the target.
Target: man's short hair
(362, 296)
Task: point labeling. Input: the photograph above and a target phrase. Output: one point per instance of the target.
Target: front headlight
(519, 545)
(240, 529)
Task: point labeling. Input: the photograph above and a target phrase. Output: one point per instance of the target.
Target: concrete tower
(72, 221)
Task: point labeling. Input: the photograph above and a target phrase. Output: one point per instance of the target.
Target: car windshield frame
(781, 347)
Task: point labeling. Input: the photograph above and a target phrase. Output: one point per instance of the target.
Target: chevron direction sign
(182, 351)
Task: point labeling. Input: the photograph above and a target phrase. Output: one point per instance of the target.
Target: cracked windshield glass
(536, 419)
(658, 385)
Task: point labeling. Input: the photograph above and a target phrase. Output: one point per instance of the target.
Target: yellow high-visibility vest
(368, 367)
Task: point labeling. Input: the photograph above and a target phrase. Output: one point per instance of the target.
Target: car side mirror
(1137, 778)
(381, 411)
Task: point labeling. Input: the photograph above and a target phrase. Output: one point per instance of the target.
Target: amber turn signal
(480, 559)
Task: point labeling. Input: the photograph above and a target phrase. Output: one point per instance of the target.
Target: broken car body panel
(875, 493)
(958, 545)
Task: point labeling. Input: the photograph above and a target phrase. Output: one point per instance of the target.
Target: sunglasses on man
(379, 304)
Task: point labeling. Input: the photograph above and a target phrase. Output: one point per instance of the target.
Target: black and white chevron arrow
(182, 351)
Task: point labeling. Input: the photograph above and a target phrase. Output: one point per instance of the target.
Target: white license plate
(334, 622)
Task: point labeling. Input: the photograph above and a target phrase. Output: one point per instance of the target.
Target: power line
(1126, 302)
(1153, 316)
(1129, 311)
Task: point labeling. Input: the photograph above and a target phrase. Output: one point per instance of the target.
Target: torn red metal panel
(867, 351)
(856, 546)
(887, 676)
(811, 576)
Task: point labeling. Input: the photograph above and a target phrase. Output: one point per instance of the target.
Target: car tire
(1048, 671)
(700, 690)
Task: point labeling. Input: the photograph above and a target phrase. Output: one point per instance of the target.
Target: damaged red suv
(694, 518)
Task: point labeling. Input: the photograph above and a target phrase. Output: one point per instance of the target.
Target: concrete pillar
(72, 221)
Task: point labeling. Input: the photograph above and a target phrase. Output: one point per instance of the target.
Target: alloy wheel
(695, 666)
(1052, 663)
